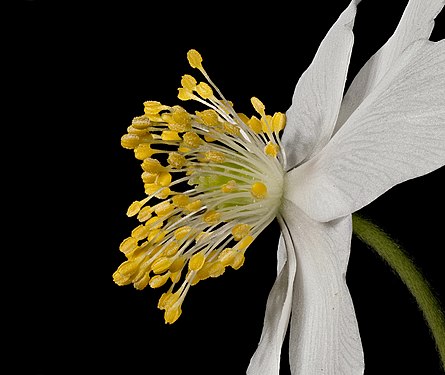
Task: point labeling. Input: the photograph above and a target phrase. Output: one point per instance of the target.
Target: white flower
(342, 153)
(219, 178)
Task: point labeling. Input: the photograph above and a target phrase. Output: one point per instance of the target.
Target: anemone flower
(218, 178)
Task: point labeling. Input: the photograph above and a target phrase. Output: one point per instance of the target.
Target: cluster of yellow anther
(213, 182)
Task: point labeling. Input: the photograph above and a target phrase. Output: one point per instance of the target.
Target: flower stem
(400, 262)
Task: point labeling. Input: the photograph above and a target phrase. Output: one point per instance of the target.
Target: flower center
(215, 183)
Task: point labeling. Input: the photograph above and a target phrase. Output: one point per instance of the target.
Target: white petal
(266, 359)
(397, 133)
(319, 91)
(324, 335)
(417, 22)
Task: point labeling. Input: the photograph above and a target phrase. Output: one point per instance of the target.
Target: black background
(76, 75)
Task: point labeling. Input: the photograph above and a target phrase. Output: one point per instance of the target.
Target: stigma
(213, 181)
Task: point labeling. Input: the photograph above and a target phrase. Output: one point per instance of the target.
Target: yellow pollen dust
(259, 190)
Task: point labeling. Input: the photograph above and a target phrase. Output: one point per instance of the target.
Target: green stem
(400, 262)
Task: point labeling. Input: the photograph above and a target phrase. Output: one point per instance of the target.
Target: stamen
(233, 166)
(258, 105)
(194, 59)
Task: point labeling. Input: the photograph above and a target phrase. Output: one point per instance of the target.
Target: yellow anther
(195, 279)
(202, 236)
(231, 129)
(163, 179)
(185, 94)
(208, 138)
(255, 124)
(278, 121)
(128, 245)
(130, 141)
(239, 231)
(161, 264)
(127, 269)
(229, 187)
(214, 156)
(226, 256)
(139, 132)
(188, 82)
(216, 269)
(163, 208)
(180, 120)
(152, 188)
(175, 276)
(140, 122)
(238, 261)
(258, 105)
(134, 208)
(271, 149)
(194, 58)
(204, 90)
(140, 232)
(148, 177)
(258, 190)
(154, 118)
(244, 243)
(181, 200)
(121, 279)
(197, 261)
(204, 273)
(208, 117)
(152, 166)
(211, 217)
(194, 206)
(159, 280)
(145, 213)
(139, 253)
(182, 232)
(178, 264)
(170, 135)
(163, 301)
(152, 107)
(172, 314)
(180, 128)
(154, 223)
(266, 124)
(142, 282)
(171, 249)
(176, 160)
(156, 236)
(183, 149)
(191, 139)
(243, 117)
(157, 190)
(143, 151)
(163, 193)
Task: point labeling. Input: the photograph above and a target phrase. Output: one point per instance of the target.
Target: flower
(337, 153)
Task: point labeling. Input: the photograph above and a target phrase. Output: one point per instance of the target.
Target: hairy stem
(400, 262)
